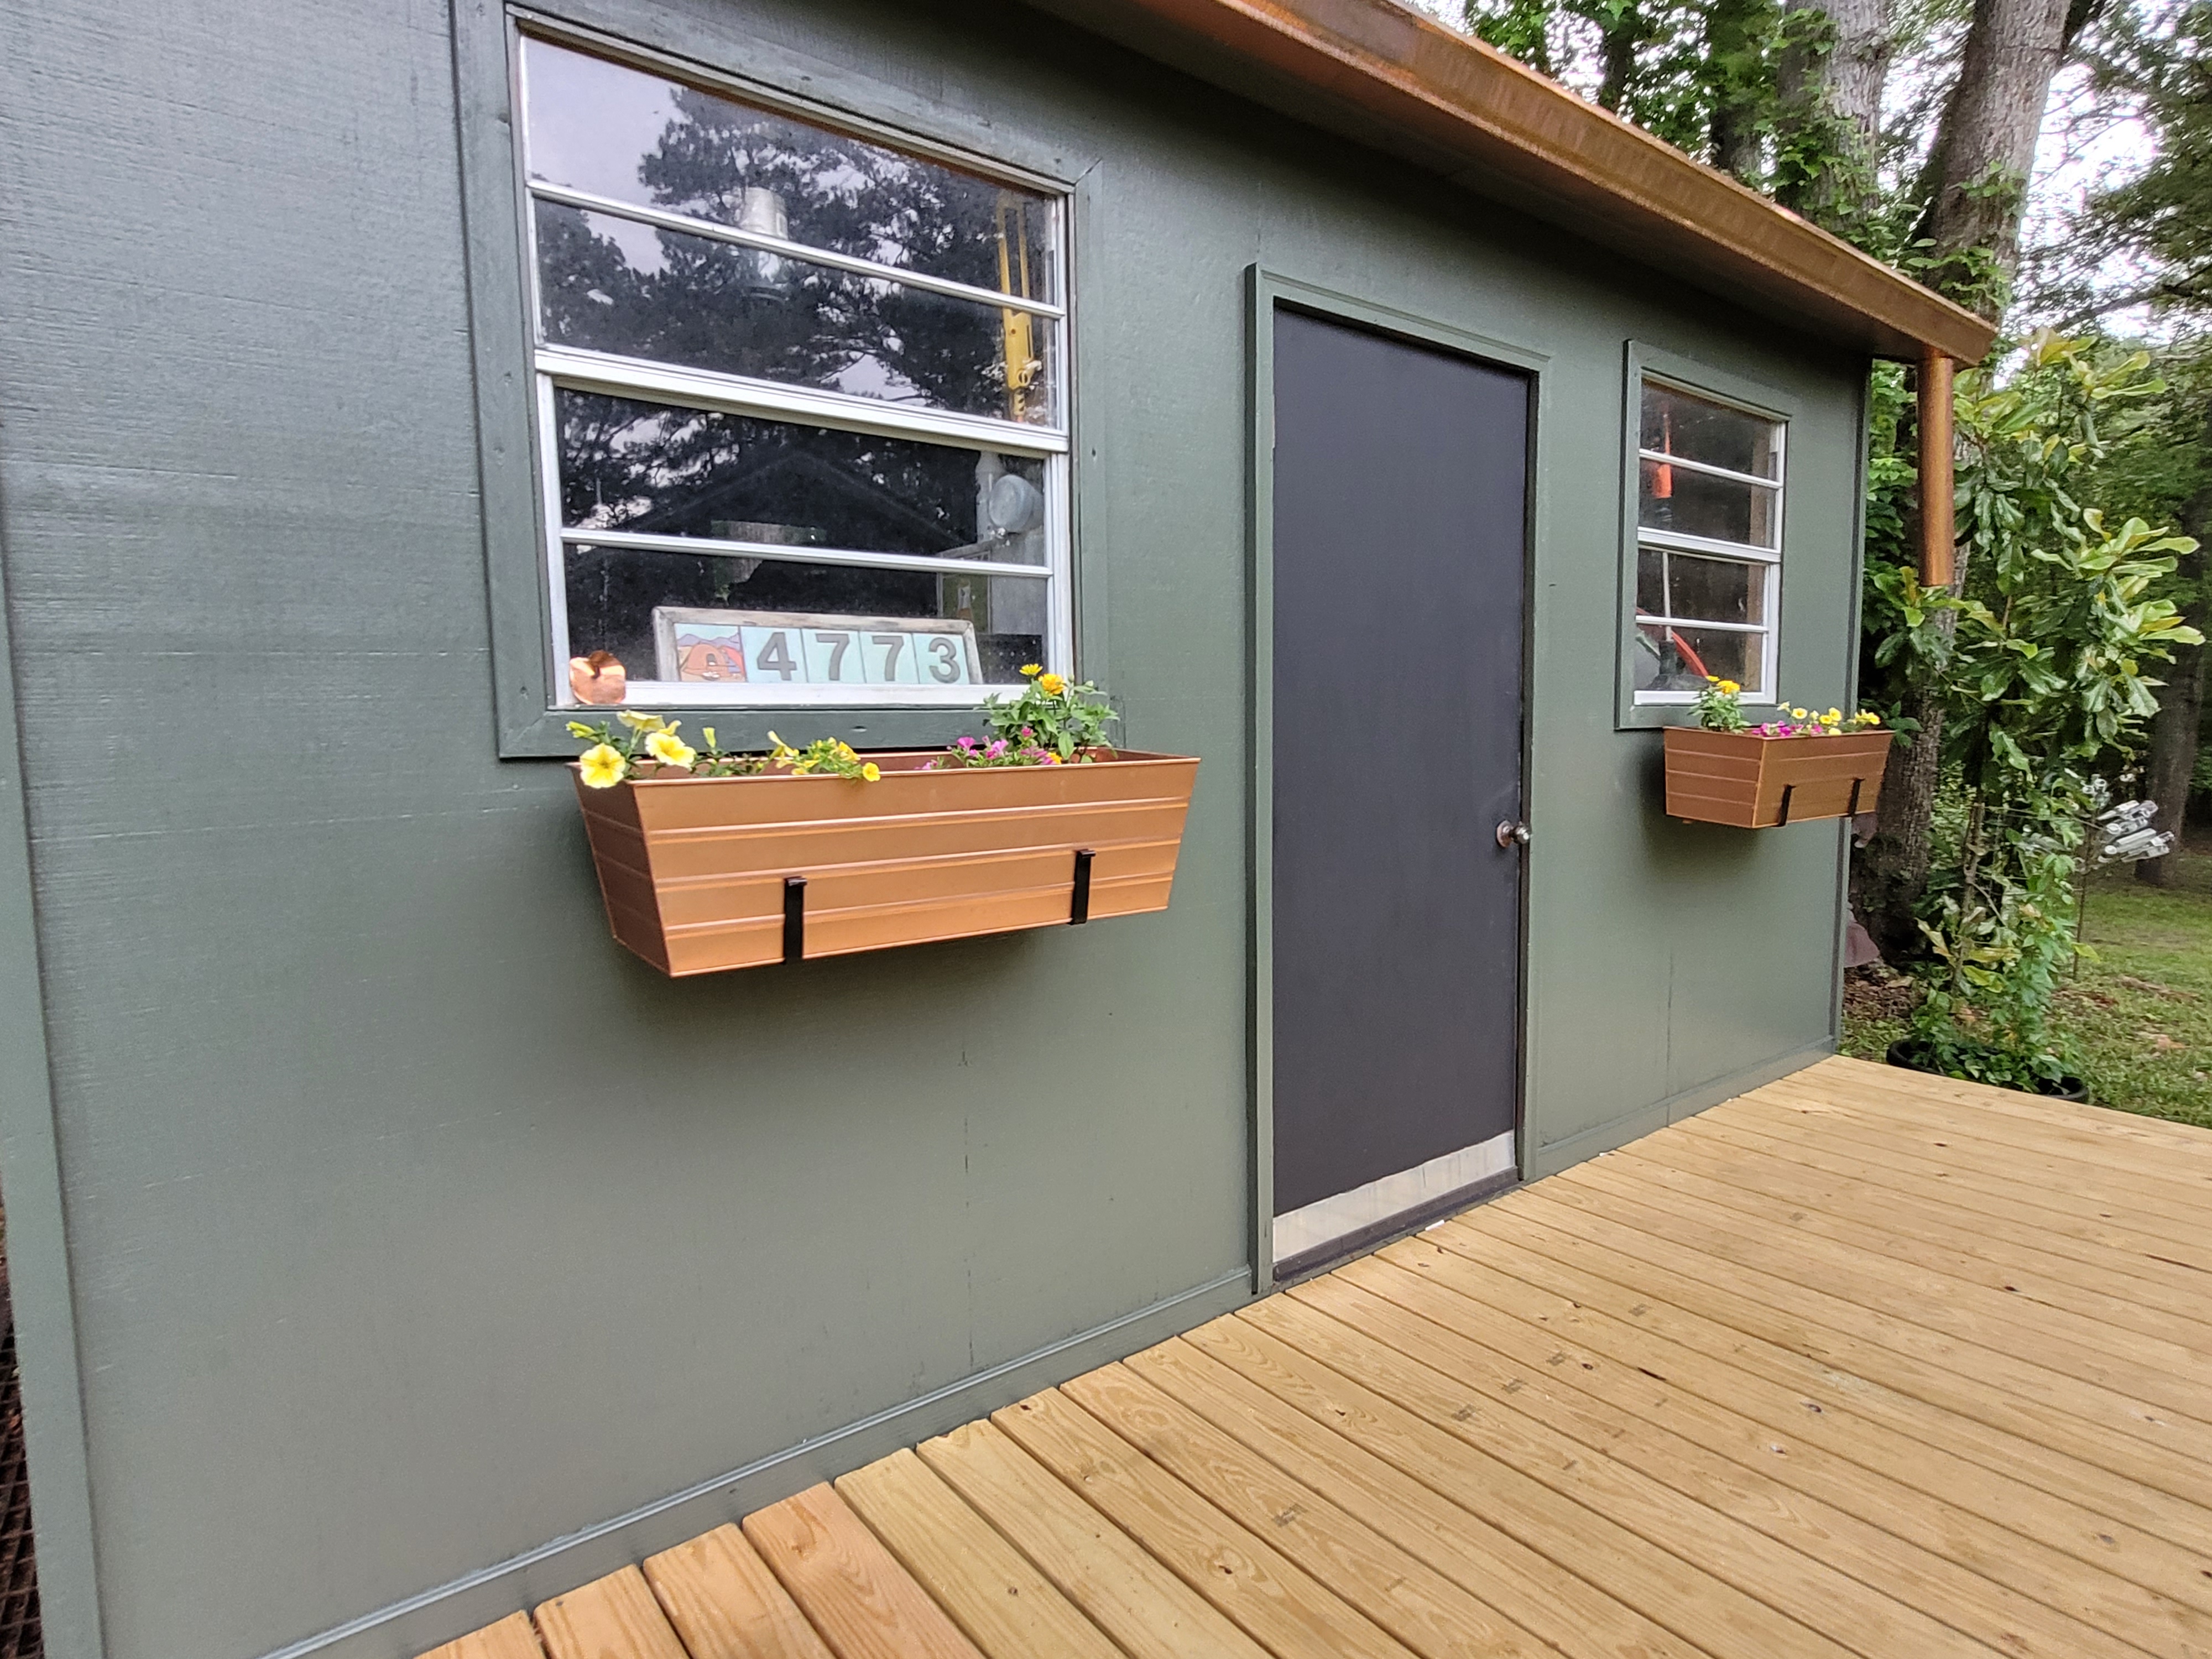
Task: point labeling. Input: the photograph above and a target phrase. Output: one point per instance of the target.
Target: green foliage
(1719, 707)
(2043, 662)
(1701, 74)
(2134, 1018)
(2159, 59)
(831, 757)
(2003, 943)
(1050, 720)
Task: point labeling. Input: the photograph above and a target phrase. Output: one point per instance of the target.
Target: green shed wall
(411, 1227)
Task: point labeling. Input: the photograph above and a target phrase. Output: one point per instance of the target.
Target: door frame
(1267, 289)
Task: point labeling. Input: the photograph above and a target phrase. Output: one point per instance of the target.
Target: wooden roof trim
(1472, 103)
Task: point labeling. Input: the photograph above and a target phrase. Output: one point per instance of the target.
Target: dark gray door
(1401, 478)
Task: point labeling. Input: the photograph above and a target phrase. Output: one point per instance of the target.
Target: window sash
(1769, 570)
(1707, 546)
(1768, 559)
(638, 541)
(806, 253)
(1779, 427)
(1712, 471)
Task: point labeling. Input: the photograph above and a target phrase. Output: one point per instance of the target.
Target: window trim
(520, 519)
(1636, 710)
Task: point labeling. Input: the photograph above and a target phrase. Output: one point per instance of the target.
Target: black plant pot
(1905, 1054)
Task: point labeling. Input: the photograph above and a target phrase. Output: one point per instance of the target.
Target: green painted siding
(410, 1223)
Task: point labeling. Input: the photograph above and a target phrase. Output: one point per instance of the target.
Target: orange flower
(1051, 685)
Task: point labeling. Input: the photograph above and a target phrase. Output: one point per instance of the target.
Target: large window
(1708, 545)
(800, 401)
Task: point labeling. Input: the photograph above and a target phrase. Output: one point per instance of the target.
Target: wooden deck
(1860, 1363)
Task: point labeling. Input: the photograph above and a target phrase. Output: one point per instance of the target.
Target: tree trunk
(1976, 179)
(1617, 50)
(1891, 873)
(1829, 84)
(2178, 733)
(1733, 41)
(1856, 67)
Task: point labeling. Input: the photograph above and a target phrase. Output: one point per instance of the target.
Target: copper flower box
(1753, 782)
(701, 874)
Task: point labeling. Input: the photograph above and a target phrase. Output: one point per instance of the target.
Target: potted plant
(1726, 770)
(710, 860)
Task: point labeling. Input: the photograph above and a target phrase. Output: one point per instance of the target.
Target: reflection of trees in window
(620, 286)
(627, 465)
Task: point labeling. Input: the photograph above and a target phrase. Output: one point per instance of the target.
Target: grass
(2140, 1016)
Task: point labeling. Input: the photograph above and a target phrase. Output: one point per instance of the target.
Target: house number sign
(778, 647)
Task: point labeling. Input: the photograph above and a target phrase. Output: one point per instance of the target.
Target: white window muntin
(581, 370)
(1766, 560)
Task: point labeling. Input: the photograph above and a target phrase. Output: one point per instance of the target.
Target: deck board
(2015, 1534)
(725, 1604)
(1416, 1604)
(1862, 1365)
(1271, 1600)
(611, 1617)
(511, 1637)
(1959, 1253)
(852, 1588)
(1142, 1606)
(2069, 1416)
(1007, 1607)
(2162, 1373)
(1862, 1543)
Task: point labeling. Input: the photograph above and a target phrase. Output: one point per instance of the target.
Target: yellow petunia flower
(602, 766)
(670, 750)
(1832, 716)
(872, 772)
(1051, 685)
(1796, 713)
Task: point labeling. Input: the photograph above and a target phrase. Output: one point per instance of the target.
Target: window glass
(1670, 583)
(629, 464)
(1678, 659)
(625, 133)
(1698, 429)
(610, 284)
(1689, 503)
(613, 594)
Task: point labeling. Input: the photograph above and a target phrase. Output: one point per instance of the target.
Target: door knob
(1511, 832)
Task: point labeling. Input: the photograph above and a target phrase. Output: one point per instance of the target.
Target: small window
(800, 401)
(1708, 545)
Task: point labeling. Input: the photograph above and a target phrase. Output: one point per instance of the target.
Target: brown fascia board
(1391, 79)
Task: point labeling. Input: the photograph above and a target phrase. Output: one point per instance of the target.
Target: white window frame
(1768, 559)
(573, 369)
